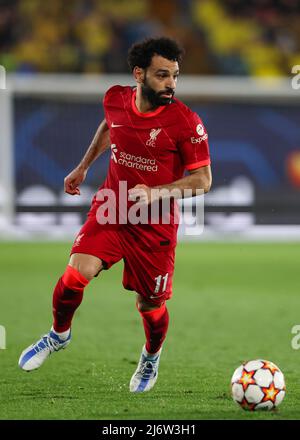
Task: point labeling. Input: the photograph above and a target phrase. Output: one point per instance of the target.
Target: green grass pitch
(231, 302)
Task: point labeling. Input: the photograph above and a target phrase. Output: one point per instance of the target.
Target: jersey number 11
(159, 283)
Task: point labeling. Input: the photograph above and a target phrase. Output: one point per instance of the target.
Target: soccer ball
(258, 384)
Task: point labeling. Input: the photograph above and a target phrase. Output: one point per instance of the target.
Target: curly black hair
(140, 54)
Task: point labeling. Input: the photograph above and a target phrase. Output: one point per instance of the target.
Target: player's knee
(87, 265)
(74, 280)
(145, 306)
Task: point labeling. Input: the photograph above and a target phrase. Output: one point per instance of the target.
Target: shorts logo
(153, 135)
(78, 239)
(200, 129)
(113, 152)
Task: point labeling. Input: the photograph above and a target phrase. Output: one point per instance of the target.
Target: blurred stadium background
(60, 58)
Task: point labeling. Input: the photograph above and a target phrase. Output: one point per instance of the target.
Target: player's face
(160, 81)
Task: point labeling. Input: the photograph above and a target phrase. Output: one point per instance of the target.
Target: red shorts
(148, 273)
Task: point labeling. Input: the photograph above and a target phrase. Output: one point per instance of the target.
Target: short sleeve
(111, 92)
(111, 97)
(193, 142)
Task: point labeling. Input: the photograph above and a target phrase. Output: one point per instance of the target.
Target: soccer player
(154, 138)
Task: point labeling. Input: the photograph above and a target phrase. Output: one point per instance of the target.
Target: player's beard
(155, 98)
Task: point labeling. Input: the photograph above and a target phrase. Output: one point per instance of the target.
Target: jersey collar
(144, 115)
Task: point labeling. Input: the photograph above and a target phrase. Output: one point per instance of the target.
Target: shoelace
(148, 369)
(46, 342)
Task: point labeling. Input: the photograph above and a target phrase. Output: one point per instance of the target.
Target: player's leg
(67, 297)
(150, 275)
(155, 320)
(68, 292)
(93, 246)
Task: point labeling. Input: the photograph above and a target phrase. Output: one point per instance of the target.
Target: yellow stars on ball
(269, 366)
(248, 406)
(270, 393)
(247, 379)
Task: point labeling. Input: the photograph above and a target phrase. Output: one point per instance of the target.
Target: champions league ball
(258, 385)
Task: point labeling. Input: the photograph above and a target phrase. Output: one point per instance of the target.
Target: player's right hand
(73, 180)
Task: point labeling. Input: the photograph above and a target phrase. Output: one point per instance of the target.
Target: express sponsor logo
(199, 140)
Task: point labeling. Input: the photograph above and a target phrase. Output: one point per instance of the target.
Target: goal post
(7, 193)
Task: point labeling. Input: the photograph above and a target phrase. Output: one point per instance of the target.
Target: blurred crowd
(253, 37)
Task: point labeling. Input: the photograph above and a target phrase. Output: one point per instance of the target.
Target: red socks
(67, 296)
(156, 324)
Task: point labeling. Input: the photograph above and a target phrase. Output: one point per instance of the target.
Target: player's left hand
(140, 194)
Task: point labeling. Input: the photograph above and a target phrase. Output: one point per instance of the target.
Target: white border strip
(189, 86)
(253, 233)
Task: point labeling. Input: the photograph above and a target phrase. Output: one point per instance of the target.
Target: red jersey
(152, 149)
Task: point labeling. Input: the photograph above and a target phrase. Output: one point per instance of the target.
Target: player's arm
(194, 151)
(99, 144)
(196, 183)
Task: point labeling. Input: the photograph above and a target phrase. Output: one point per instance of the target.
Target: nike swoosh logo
(116, 125)
(156, 296)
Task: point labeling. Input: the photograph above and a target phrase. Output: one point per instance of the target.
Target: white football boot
(146, 373)
(36, 354)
